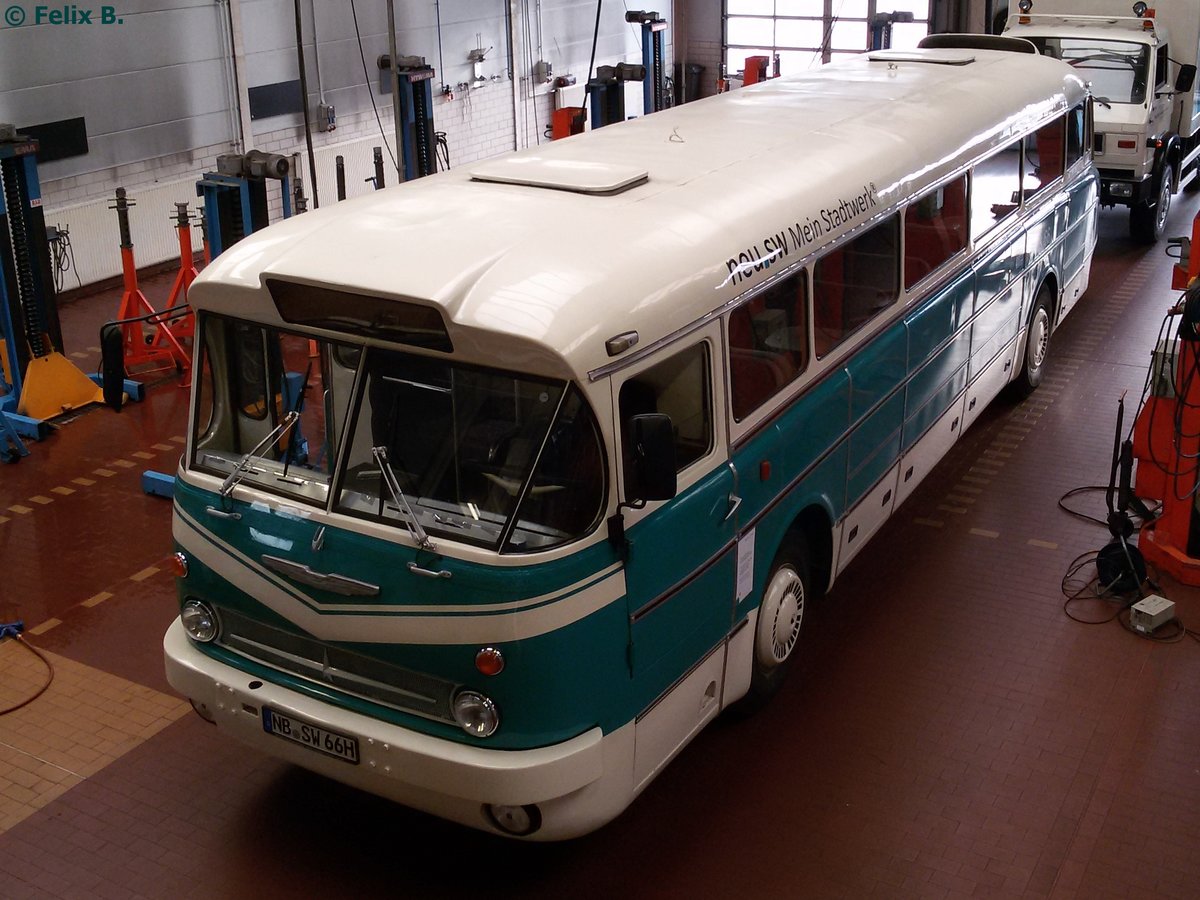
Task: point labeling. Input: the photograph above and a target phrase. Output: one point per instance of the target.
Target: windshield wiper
(389, 479)
(241, 469)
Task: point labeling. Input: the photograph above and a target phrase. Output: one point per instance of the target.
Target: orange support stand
(1166, 443)
(183, 327)
(137, 345)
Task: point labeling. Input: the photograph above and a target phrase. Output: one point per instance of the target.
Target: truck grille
(325, 664)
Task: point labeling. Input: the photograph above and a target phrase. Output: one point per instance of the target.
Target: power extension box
(1151, 612)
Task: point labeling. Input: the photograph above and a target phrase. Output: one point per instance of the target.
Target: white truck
(1141, 63)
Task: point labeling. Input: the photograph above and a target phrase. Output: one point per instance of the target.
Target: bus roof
(546, 275)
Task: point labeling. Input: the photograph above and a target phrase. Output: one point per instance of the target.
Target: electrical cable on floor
(49, 674)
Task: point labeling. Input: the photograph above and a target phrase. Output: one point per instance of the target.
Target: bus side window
(855, 283)
(935, 229)
(995, 189)
(680, 387)
(768, 343)
(1077, 143)
(1044, 156)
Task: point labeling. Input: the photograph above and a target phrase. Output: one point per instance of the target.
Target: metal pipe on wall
(391, 19)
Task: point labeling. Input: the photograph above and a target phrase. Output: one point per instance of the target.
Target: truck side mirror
(1186, 78)
(653, 444)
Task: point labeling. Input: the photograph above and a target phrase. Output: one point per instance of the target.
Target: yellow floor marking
(956, 498)
(161, 447)
(968, 489)
(46, 626)
(83, 482)
(79, 355)
(1049, 545)
(41, 499)
(142, 454)
(179, 439)
(929, 523)
(64, 491)
(104, 473)
(4, 519)
(19, 509)
(985, 532)
(958, 510)
(975, 479)
(990, 452)
(85, 720)
(97, 599)
(93, 349)
(144, 574)
(122, 464)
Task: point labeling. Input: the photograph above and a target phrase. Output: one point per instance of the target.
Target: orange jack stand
(1166, 440)
(138, 349)
(184, 327)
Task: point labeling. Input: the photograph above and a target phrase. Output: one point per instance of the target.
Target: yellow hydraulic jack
(37, 382)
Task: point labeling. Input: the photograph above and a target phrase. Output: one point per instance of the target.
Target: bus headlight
(199, 621)
(476, 714)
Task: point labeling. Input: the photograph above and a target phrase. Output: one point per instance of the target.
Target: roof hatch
(579, 176)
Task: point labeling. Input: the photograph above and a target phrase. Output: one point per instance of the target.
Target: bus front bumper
(577, 785)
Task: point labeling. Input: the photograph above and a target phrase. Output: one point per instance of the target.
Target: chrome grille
(325, 664)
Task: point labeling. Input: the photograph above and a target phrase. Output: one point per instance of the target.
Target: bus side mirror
(653, 445)
(1186, 78)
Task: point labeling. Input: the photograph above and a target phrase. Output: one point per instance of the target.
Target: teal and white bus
(502, 483)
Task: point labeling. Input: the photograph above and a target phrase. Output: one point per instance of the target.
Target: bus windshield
(498, 459)
(1118, 70)
(477, 455)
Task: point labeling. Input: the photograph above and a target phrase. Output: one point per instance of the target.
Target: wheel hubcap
(1164, 203)
(780, 617)
(1039, 339)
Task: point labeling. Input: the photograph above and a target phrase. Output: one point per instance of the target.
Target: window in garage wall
(809, 33)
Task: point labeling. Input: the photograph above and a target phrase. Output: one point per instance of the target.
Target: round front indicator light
(178, 565)
(476, 714)
(199, 621)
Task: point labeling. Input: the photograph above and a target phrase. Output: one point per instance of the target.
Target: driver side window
(680, 387)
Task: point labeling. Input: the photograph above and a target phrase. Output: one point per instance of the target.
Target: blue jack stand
(12, 448)
(158, 484)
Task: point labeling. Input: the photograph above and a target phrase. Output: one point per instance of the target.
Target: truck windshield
(1119, 71)
(478, 455)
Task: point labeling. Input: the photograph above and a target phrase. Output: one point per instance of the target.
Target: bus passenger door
(681, 553)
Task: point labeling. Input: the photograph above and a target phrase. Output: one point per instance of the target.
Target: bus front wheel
(1037, 345)
(786, 599)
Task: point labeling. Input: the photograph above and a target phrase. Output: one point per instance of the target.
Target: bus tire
(1147, 223)
(787, 599)
(1037, 345)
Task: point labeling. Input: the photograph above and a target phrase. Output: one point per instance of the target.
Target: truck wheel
(786, 598)
(1037, 346)
(1147, 223)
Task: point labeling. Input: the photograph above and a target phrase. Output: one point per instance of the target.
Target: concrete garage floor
(949, 731)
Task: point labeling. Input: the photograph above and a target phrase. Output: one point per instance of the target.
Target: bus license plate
(309, 735)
